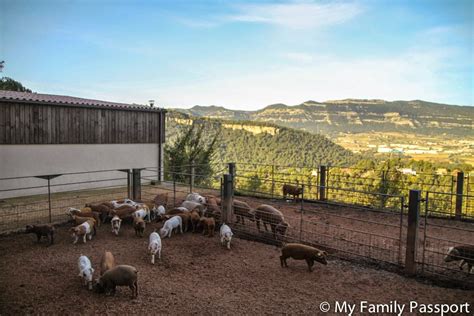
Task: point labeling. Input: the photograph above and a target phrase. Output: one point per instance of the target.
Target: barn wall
(24, 123)
(33, 160)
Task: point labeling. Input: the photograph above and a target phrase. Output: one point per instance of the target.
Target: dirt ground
(196, 276)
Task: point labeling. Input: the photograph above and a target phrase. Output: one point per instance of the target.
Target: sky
(241, 54)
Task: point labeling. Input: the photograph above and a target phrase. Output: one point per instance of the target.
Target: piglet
(226, 235)
(172, 223)
(154, 246)
(85, 270)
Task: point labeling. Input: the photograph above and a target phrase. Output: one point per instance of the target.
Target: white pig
(154, 246)
(85, 270)
(226, 235)
(172, 223)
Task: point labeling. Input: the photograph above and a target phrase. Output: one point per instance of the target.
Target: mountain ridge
(354, 116)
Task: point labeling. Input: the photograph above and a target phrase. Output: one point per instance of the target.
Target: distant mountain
(356, 116)
(242, 141)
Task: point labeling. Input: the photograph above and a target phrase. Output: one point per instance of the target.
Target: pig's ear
(80, 274)
(92, 270)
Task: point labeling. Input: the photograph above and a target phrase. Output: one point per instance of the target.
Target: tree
(191, 147)
(12, 85)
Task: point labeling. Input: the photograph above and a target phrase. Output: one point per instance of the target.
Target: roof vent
(151, 102)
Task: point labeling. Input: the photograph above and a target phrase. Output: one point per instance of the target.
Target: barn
(79, 142)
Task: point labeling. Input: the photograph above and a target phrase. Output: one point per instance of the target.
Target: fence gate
(437, 236)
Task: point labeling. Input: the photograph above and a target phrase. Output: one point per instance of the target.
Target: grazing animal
(243, 210)
(103, 209)
(173, 223)
(139, 226)
(293, 190)
(213, 208)
(116, 222)
(124, 211)
(196, 197)
(194, 218)
(177, 210)
(186, 219)
(79, 220)
(463, 254)
(84, 212)
(107, 262)
(154, 246)
(120, 203)
(85, 230)
(208, 225)
(41, 231)
(85, 270)
(226, 235)
(270, 215)
(158, 211)
(143, 212)
(121, 275)
(190, 205)
(302, 252)
(161, 199)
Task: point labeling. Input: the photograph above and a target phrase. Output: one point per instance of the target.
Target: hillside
(242, 141)
(356, 116)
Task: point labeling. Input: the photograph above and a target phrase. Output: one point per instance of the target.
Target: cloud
(297, 15)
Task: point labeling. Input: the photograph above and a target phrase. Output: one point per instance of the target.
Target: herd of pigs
(196, 212)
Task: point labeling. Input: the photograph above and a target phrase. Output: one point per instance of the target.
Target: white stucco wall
(34, 160)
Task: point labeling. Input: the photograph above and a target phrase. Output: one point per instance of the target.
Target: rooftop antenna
(151, 102)
(2, 64)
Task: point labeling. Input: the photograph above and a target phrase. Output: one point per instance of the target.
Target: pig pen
(195, 276)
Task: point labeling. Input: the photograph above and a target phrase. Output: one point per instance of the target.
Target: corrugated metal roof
(25, 97)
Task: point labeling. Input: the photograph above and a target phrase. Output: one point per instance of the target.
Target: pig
(186, 219)
(85, 230)
(143, 212)
(302, 252)
(194, 218)
(208, 225)
(293, 190)
(154, 246)
(158, 211)
(107, 262)
(243, 210)
(190, 205)
(139, 226)
(226, 235)
(177, 210)
(84, 212)
(121, 275)
(463, 254)
(196, 197)
(173, 223)
(103, 209)
(116, 222)
(124, 211)
(41, 231)
(270, 215)
(85, 270)
(120, 203)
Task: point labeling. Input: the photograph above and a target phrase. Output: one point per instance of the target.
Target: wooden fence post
(412, 231)
(137, 184)
(459, 193)
(322, 183)
(227, 202)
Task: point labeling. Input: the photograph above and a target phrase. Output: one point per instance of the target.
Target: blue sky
(241, 54)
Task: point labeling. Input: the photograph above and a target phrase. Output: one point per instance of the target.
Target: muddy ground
(196, 276)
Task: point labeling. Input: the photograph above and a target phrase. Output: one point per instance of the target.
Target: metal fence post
(301, 212)
(322, 183)
(137, 184)
(227, 201)
(273, 181)
(49, 199)
(191, 178)
(129, 184)
(174, 189)
(459, 193)
(412, 231)
(232, 169)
